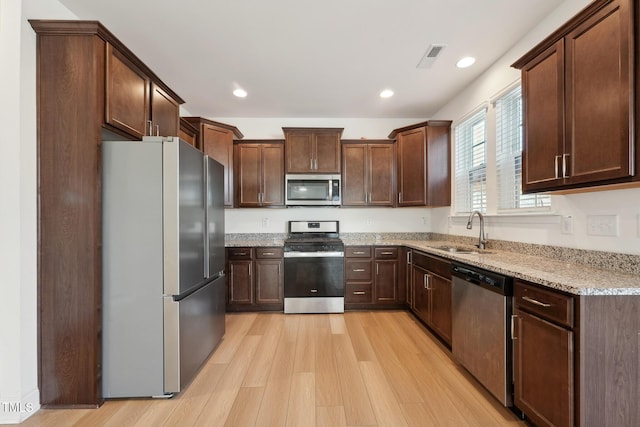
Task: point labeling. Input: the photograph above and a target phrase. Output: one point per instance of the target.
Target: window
(509, 155)
(471, 164)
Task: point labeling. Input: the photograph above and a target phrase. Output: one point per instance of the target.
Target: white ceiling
(314, 58)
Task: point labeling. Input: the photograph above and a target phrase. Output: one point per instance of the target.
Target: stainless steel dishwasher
(481, 339)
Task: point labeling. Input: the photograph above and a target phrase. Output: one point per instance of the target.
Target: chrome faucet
(481, 240)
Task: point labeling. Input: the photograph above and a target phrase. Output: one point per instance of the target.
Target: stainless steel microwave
(312, 190)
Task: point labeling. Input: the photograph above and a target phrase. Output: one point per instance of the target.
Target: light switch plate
(602, 225)
(567, 224)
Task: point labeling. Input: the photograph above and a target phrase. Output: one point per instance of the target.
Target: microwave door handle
(330, 190)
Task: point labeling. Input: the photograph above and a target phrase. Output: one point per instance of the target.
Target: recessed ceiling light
(240, 93)
(465, 62)
(387, 93)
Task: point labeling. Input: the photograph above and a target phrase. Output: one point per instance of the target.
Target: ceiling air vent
(430, 56)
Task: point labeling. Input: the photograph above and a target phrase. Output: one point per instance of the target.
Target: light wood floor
(356, 369)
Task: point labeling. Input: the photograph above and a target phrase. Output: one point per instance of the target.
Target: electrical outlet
(369, 222)
(265, 222)
(567, 224)
(602, 225)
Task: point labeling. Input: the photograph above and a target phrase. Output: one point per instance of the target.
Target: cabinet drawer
(358, 293)
(435, 265)
(386, 253)
(269, 253)
(548, 304)
(358, 252)
(358, 270)
(239, 253)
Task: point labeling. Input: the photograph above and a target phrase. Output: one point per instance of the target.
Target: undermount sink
(462, 250)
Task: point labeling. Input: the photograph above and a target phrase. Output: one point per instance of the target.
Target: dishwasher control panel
(495, 281)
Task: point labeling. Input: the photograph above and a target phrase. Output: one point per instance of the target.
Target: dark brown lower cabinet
(255, 278)
(430, 283)
(543, 369)
(372, 276)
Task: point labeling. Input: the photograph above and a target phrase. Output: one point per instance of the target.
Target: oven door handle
(314, 254)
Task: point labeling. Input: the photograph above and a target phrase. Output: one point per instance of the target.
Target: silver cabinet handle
(428, 282)
(513, 327)
(249, 269)
(359, 292)
(377, 265)
(556, 165)
(150, 129)
(268, 253)
(313, 291)
(239, 253)
(564, 166)
(536, 302)
(400, 197)
(386, 253)
(358, 270)
(424, 281)
(311, 163)
(157, 130)
(358, 253)
(409, 257)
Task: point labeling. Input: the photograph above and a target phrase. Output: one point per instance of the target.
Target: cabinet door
(217, 143)
(272, 175)
(599, 57)
(412, 168)
(240, 283)
(381, 170)
(248, 174)
(327, 152)
(127, 95)
(420, 300)
(543, 371)
(543, 97)
(354, 175)
(439, 165)
(440, 310)
(269, 282)
(299, 152)
(165, 113)
(386, 281)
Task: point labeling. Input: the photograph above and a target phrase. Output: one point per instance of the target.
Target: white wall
(19, 396)
(539, 229)
(352, 220)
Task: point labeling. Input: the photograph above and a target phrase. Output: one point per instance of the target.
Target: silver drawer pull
(536, 302)
(359, 292)
(268, 253)
(358, 270)
(358, 252)
(239, 253)
(386, 253)
(314, 291)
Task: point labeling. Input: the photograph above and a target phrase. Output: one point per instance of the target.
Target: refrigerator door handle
(171, 345)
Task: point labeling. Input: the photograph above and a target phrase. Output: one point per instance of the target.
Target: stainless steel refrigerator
(163, 265)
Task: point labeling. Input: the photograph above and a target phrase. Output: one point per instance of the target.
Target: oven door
(314, 282)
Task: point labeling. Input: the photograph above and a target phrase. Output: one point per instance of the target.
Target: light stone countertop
(571, 277)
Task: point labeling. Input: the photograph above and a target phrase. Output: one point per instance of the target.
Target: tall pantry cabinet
(90, 87)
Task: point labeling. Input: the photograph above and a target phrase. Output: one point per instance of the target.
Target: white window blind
(471, 165)
(509, 155)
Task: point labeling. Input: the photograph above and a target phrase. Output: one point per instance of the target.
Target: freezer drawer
(193, 328)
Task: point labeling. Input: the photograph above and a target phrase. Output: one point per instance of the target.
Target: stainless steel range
(313, 268)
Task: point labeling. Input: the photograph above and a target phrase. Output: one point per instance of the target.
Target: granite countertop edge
(572, 278)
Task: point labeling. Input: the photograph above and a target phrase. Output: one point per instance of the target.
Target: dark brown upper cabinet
(215, 139)
(368, 173)
(312, 150)
(135, 104)
(579, 101)
(259, 180)
(424, 164)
